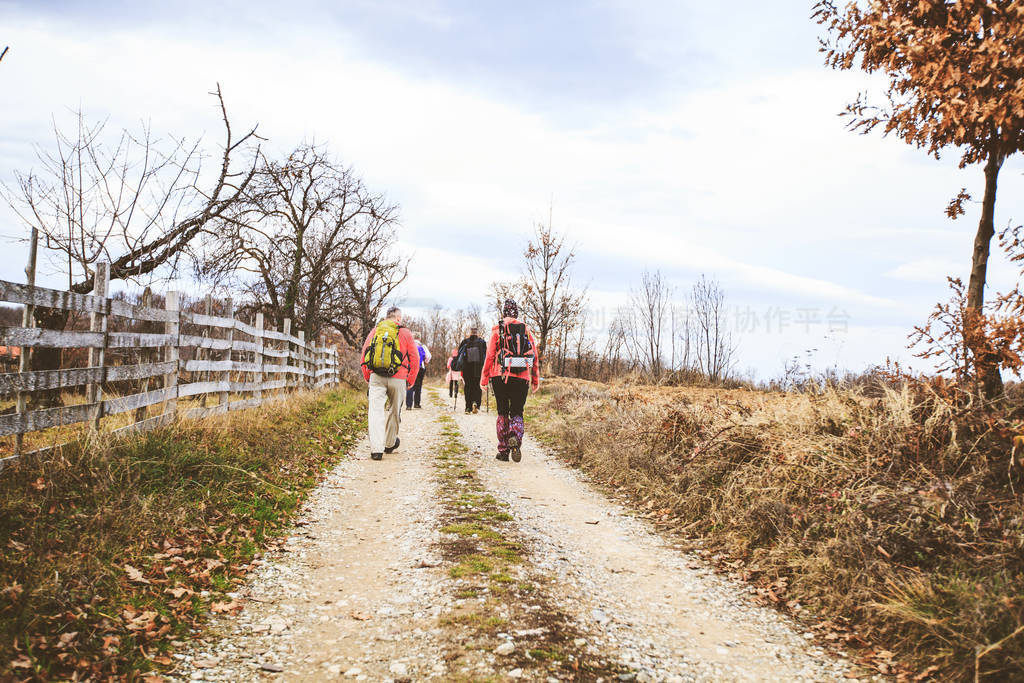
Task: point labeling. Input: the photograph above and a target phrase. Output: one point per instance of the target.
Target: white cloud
(924, 270)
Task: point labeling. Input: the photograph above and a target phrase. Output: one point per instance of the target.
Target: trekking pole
(488, 401)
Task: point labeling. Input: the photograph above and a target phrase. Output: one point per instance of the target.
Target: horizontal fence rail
(140, 358)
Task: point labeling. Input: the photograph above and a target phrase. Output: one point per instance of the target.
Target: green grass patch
(471, 566)
(471, 529)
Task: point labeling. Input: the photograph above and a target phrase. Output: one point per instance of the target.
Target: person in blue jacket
(412, 394)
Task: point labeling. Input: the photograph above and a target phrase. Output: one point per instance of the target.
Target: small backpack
(383, 355)
(515, 352)
(473, 353)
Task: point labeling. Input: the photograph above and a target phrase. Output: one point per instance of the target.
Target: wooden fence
(141, 358)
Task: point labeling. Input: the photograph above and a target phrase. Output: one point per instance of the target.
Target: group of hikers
(394, 360)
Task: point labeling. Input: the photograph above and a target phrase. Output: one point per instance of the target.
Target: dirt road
(442, 563)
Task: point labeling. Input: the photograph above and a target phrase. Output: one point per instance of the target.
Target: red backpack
(515, 352)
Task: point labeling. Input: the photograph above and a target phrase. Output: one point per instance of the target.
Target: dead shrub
(898, 513)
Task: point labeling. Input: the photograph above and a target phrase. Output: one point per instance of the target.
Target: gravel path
(658, 610)
(359, 591)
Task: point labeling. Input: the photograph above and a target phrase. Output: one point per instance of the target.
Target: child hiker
(512, 369)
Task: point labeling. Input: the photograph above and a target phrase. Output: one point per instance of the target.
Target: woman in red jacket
(511, 367)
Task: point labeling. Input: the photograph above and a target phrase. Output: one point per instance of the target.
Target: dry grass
(899, 529)
(112, 549)
(63, 434)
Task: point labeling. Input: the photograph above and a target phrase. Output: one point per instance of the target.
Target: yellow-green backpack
(384, 356)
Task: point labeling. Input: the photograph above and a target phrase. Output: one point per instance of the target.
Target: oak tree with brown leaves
(955, 79)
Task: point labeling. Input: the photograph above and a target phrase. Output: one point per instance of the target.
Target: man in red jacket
(387, 394)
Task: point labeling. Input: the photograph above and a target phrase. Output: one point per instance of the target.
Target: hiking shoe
(376, 456)
(513, 449)
(502, 457)
(393, 448)
(468, 411)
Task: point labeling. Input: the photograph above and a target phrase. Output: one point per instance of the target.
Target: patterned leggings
(511, 398)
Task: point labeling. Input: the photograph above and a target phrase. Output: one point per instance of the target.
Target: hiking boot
(468, 411)
(503, 457)
(376, 456)
(513, 449)
(393, 448)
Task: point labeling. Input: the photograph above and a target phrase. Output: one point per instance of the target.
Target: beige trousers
(387, 395)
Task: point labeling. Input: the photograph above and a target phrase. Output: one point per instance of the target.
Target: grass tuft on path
(112, 550)
(501, 591)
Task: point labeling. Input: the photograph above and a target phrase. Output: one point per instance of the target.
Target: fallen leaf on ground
(22, 662)
(134, 575)
(179, 591)
(221, 607)
(360, 616)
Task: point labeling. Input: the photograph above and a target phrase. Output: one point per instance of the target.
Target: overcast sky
(680, 136)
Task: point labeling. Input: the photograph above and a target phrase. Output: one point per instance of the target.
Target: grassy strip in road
(498, 590)
(113, 551)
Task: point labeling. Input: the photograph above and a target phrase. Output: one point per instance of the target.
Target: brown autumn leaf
(146, 621)
(222, 607)
(134, 575)
(360, 616)
(179, 591)
(22, 662)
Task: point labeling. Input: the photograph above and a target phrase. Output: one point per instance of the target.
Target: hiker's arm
(406, 341)
(362, 355)
(485, 374)
(535, 369)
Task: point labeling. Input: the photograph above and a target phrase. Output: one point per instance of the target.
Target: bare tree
(312, 244)
(138, 204)
(548, 301)
(617, 349)
(368, 283)
(682, 337)
(649, 308)
(715, 348)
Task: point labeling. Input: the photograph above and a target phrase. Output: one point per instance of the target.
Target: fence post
(258, 394)
(302, 360)
(289, 378)
(25, 355)
(171, 378)
(336, 375)
(204, 354)
(146, 356)
(97, 355)
(321, 358)
(316, 358)
(225, 375)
